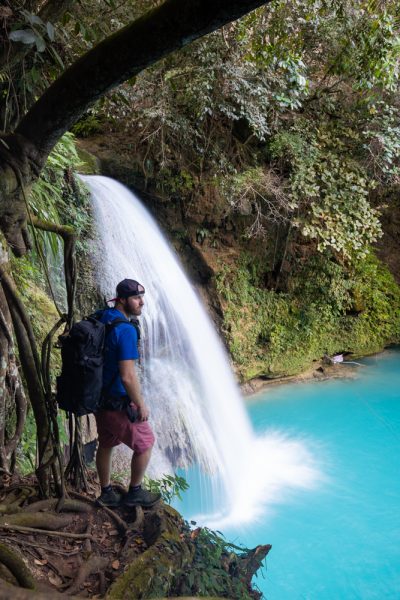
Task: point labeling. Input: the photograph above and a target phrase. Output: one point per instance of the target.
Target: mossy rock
(328, 309)
(90, 162)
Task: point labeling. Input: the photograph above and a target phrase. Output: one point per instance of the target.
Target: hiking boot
(109, 498)
(141, 497)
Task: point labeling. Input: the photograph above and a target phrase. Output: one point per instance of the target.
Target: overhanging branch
(121, 56)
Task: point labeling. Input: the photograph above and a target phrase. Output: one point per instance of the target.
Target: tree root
(66, 534)
(53, 549)
(11, 592)
(122, 526)
(9, 509)
(92, 565)
(252, 561)
(19, 494)
(38, 520)
(139, 521)
(52, 504)
(150, 574)
(17, 567)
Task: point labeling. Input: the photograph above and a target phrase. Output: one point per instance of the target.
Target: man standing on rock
(124, 416)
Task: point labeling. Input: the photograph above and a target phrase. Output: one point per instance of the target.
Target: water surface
(341, 538)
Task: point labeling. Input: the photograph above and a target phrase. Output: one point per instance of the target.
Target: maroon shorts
(114, 428)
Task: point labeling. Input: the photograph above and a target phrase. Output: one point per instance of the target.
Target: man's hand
(131, 384)
(143, 413)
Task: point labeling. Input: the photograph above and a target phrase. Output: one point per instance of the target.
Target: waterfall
(196, 408)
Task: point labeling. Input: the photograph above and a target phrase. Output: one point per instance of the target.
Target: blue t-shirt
(121, 344)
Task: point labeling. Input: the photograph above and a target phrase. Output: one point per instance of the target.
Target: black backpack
(80, 385)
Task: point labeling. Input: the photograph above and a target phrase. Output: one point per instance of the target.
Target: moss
(90, 162)
(39, 306)
(150, 575)
(327, 309)
(180, 562)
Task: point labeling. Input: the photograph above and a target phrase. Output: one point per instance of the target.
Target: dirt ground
(84, 554)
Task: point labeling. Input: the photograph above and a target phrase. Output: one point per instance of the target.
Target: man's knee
(143, 453)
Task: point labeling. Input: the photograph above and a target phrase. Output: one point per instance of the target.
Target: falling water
(196, 408)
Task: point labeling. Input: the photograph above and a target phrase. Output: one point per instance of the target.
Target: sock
(135, 488)
(107, 488)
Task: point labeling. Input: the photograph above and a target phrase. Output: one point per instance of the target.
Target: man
(124, 418)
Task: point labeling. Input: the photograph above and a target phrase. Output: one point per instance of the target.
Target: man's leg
(138, 466)
(140, 438)
(136, 494)
(103, 464)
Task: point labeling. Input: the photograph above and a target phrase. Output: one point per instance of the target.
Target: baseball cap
(128, 287)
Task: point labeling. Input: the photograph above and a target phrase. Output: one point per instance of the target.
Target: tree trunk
(12, 396)
(30, 362)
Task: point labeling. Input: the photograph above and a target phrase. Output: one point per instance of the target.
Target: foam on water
(196, 407)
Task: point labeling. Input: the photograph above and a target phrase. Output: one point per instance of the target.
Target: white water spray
(196, 408)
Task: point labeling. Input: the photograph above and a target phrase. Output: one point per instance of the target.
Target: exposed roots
(121, 524)
(11, 592)
(93, 565)
(9, 509)
(18, 495)
(66, 534)
(17, 567)
(54, 504)
(151, 573)
(38, 520)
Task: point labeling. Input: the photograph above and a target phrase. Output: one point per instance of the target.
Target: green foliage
(26, 451)
(260, 192)
(330, 188)
(169, 486)
(373, 58)
(210, 115)
(382, 141)
(311, 85)
(42, 312)
(176, 182)
(31, 29)
(89, 125)
(206, 576)
(59, 197)
(328, 309)
(47, 199)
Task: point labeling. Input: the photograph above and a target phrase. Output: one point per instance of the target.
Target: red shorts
(114, 428)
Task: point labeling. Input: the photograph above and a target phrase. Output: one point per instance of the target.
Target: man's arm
(131, 383)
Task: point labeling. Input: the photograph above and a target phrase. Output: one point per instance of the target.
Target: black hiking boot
(141, 497)
(109, 498)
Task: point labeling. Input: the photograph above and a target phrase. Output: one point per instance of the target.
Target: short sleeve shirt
(121, 344)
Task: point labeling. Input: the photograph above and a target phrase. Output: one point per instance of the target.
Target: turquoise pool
(340, 539)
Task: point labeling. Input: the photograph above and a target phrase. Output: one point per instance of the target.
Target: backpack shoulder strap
(110, 326)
